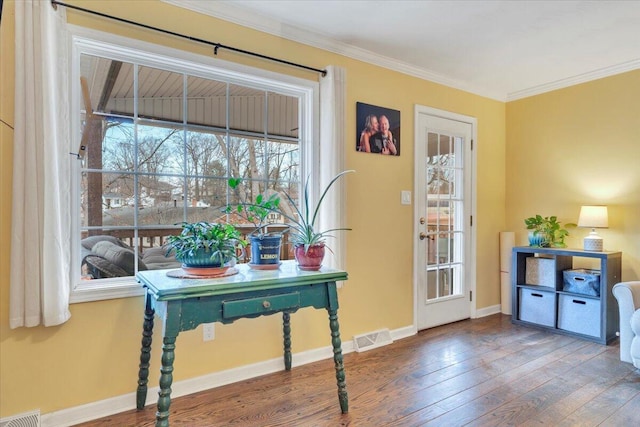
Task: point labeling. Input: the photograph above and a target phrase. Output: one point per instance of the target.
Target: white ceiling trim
(270, 26)
(226, 11)
(571, 81)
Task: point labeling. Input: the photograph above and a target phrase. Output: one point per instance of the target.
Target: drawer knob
(266, 304)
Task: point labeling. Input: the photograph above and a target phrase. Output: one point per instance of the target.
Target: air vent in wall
(28, 419)
(372, 340)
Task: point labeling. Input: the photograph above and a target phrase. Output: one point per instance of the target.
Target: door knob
(422, 235)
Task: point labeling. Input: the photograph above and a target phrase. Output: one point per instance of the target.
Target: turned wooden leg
(337, 360)
(286, 329)
(145, 355)
(166, 378)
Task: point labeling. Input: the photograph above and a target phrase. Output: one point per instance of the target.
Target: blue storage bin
(581, 315)
(582, 281)
(537, 307)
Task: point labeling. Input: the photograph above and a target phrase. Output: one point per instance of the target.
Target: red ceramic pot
(311, 260)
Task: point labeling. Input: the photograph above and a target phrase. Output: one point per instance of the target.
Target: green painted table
(183, 304)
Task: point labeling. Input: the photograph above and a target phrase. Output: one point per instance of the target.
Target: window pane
(439, 283)
(108, 84)
(160, 149)
(282, 115)
(206, 154)
(160, 95)
(440, 164)
(118, 147)
(161, 146)
(206, 102)
(207, 199)
(103, 197)
(246, 157)
(283, 161)
(246, 109)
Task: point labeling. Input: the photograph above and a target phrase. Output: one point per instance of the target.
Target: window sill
(94, 290)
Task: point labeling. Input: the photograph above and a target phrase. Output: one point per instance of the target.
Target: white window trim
(84, 40)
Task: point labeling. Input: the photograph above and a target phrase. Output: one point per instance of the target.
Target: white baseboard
(488, 311)
(103, 408)
(406, 332)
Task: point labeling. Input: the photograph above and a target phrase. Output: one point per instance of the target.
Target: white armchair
(628, 296)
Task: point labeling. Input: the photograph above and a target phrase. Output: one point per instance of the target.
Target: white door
(444, 276)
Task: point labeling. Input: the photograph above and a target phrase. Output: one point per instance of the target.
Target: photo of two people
(378, 130)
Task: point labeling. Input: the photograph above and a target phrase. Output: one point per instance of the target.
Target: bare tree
(153, 153)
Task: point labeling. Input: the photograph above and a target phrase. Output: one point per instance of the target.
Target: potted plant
(546, 231)
(265, 244)
(206, 245)
(308, 241)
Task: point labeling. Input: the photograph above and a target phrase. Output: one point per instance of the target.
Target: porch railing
(156, 237)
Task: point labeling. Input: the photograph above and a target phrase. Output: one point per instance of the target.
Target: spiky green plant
(302, 225)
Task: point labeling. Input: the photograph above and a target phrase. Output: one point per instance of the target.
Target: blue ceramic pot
(265, 249)
(201, 258)
(537, 240)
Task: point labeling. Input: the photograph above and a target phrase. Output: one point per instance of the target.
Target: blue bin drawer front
(580, 315)
(537, 307)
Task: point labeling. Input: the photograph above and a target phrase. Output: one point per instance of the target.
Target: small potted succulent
(206, 245)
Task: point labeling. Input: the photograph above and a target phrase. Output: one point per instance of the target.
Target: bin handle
(577, 301)
(537, 295)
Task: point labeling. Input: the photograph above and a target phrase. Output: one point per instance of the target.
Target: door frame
(470, 250)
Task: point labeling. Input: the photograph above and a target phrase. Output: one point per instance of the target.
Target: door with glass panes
(443, 217)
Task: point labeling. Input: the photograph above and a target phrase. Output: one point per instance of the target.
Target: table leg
(337, 360)
(145, 354)
(286, 329)
(166, 378)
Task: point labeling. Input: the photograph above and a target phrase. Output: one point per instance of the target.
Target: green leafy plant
(255, 212)
(303, 224)
(218, 240)
(549, 229)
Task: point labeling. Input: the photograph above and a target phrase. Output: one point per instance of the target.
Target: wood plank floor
(483, 372)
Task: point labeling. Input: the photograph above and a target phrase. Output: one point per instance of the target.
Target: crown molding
(226, 11)
(574, 80)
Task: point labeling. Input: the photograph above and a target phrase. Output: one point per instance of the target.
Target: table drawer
(266, 304)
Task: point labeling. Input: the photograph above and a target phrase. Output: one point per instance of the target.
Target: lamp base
(593, 242)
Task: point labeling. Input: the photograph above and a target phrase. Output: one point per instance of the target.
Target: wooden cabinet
(539, 298)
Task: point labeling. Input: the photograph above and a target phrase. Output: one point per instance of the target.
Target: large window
(161, 135)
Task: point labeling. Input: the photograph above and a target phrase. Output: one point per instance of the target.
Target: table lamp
(593, 217)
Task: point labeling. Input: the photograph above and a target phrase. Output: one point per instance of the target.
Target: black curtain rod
(216, 46)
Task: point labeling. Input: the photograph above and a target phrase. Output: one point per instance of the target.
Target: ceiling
(504, 50)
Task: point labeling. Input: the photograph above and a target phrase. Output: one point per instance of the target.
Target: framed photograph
(377, 130)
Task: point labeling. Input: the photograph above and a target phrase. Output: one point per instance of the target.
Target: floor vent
(28, 419)
(372, 340)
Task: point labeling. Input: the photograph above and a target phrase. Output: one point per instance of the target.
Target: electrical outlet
(208, 331)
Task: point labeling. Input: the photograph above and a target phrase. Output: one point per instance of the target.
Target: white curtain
(332, 131)
(40, 229)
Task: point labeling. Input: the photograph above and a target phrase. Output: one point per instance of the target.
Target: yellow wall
(579, 146)
(94, 356)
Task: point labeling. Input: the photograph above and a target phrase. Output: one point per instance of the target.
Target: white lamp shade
(593, 217)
